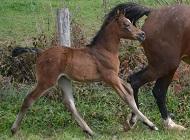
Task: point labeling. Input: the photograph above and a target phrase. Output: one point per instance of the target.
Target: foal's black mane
(132, 11)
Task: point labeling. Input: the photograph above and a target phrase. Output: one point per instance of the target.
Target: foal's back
(77, 64)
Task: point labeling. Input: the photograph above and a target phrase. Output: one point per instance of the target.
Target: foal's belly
(83, 68)
(81, 72)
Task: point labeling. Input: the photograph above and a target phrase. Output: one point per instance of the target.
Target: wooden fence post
(63, 27)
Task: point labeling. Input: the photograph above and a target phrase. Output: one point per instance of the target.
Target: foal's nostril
(142, 34)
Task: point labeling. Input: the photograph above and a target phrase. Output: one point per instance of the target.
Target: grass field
(100, 106)
(24, 19)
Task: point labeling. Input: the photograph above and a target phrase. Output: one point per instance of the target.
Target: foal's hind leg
(126, 93)
(28, 101)
(137, 80)
(65, 85)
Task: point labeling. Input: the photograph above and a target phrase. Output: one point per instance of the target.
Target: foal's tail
(135, 11)
(20, 50)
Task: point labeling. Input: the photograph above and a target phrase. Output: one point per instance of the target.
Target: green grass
(21, 20)
(101, 108)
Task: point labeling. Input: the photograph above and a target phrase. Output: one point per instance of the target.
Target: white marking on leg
(134, 119)
(18, 119)
(171, 125)
(66, 86)
(22, 112)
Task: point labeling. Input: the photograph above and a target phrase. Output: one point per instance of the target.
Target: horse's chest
(110, 63)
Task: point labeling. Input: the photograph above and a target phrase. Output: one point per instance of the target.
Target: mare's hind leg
(159, 92)
(65, 85)
(28, 101)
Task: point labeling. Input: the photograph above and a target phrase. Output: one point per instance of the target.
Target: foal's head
(126, 29)
(117, 25)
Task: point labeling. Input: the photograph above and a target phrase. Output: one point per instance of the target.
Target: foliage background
(31, 23)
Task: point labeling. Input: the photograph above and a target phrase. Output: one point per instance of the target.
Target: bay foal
(97, 62)
(167, 42)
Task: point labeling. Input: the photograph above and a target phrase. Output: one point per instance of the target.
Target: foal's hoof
(89, 133)
(151, 127)
(131, 121)
(154, 128)
(127, 126)
(13, 130)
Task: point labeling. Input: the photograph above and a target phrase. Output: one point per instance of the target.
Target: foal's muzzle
(141, 37)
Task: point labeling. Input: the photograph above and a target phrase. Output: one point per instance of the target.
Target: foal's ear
(119, 13)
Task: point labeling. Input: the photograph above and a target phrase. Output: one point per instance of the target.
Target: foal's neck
(108, 39)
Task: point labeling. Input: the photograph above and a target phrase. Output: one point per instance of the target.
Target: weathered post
(63, 27)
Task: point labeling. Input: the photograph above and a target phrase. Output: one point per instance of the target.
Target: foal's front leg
(126, 94)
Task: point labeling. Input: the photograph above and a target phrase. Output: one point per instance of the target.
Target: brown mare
(167, 42)
(97, 62)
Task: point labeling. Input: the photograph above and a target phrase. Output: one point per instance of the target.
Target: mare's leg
(160, 89)
(126, 93)
(66, 86)
(137, 80)
(28, 101)
(159, 92)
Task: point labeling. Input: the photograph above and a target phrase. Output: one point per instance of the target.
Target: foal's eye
(127, 26)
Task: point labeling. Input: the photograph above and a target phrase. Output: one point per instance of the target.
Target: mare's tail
(134, 11)
(20, 50)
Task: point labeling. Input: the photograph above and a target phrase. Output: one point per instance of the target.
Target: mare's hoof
(170, 125)
(176, 127)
